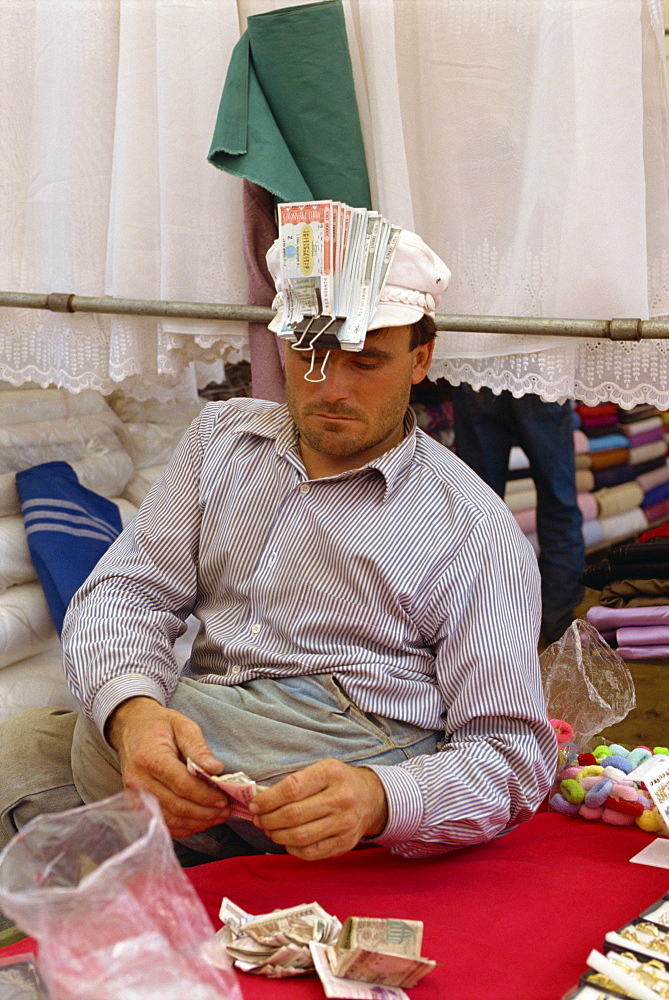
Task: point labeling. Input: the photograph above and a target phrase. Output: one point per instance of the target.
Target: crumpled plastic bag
(586, 683)
(113, 912)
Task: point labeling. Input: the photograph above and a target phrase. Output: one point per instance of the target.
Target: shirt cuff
(405, 804)
(120, 689)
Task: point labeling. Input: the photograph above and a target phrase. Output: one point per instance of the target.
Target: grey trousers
(52, 759)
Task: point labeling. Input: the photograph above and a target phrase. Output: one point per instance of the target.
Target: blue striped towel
(68, 527)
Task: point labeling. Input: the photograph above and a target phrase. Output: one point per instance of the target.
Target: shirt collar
(276, 424)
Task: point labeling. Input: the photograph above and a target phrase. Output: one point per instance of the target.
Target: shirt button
(235, 669)
(255, 628)
(304, 488)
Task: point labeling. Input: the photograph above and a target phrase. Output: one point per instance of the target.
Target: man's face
(357, 412)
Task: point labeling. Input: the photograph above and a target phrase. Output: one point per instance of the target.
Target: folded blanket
(104, 474)
(68, 528)
(24, 406)
(71, 440)
(35, 681)
(26, 626)
(141, 483)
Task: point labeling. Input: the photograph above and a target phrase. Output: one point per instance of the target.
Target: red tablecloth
(510, 920)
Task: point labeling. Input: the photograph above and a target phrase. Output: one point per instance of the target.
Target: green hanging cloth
(288, 118)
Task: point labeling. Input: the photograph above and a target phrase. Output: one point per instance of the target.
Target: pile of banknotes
(356, 960)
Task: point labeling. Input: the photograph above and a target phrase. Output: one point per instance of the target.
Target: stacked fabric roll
(116, 454)
(42, 425)
(644, 426)
(607, 466)
(633, 613)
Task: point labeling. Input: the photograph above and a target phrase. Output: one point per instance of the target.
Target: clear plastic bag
(113, 912)
(586, 683)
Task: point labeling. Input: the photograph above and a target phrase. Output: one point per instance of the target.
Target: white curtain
(527, 141)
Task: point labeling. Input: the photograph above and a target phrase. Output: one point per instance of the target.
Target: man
(486, 428)
(369, 615)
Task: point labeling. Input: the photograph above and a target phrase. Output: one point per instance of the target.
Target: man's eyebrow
(374, 352)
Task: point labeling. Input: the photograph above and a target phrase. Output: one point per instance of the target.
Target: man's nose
(336, 384)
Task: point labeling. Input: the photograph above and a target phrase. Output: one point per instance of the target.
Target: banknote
(384, 968)
(239, 788)
(274, 944)
(334, 986)
(398, 937)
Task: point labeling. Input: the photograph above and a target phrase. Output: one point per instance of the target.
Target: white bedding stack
(117, 450)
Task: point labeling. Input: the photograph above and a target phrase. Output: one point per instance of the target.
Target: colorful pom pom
(599, 793)
(588, 812)
(590, 771)
(615, 760)
(572, 790)
(649, 820)
(638, 756)
(563, 730)
(560, 804)
(617, 818)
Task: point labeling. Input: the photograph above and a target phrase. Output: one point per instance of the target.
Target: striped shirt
(408, 579)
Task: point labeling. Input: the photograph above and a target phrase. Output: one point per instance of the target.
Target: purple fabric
(644, 652)
(260, 231)
(607, 618)
(646, 437)
(655, 494)
(643, 635)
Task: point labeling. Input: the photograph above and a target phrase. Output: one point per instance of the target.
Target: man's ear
(422, 359)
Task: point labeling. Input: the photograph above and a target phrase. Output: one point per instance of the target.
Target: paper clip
(323, 364)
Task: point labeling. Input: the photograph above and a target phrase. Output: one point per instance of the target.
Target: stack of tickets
(352, 961)
(334, 262)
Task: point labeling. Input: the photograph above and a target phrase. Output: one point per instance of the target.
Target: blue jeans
(486, 428)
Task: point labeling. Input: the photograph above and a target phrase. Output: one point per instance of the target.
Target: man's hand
(152, 743)
(322, 810)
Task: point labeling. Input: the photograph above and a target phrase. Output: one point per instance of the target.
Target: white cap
(416, 280)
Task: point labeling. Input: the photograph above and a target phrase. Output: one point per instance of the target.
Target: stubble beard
(346, 441)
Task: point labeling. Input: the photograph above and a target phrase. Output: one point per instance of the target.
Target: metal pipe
(601, 329)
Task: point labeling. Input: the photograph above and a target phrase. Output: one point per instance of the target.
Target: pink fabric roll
(657, 511)
(581, 443)
(648, 480)
(526, 519)
(643, 635)
(588, 506)
(644, 652)
(608, 618)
